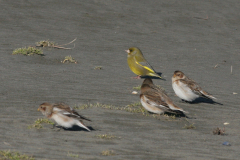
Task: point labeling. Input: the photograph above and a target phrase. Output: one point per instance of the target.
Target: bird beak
(127, 51)
(38, 109)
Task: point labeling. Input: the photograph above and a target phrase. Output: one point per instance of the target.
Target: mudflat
(200, 38)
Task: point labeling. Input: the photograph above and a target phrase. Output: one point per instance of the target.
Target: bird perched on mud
(155, 100)
(138, 64)
(63, 115)
(187, 89)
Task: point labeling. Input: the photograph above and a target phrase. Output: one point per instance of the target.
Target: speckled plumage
(155, 100)
(187, 89)
(63, 115)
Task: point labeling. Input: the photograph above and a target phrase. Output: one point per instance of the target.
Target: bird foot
(57, 126)
(59, 129)
(53, 126)
(183, 101)
(138, 77)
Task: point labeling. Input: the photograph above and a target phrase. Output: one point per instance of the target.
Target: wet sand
(189, 36)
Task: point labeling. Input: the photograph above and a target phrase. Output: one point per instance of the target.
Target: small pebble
(134, 92)
(234, 93)
(226, 143)
(226, 123)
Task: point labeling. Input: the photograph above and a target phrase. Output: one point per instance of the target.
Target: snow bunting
(155, 100)
(63, 115)
(187, 89)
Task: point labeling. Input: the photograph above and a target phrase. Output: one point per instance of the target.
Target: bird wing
(149, 68)
(192, 85)
(158, 89)
(143, 62)
(154, 99)
(68, 111)
(157, 97)
(196, 88)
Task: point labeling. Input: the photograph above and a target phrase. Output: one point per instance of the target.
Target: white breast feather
(184, 92)
(63, 121)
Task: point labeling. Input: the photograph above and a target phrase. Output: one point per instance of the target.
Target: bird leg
(138, 77)
(54, 125)
(183, 101)
(59, 127)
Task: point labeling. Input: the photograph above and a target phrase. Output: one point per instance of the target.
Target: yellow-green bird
(138, 64)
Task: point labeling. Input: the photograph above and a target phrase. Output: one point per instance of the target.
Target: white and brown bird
(63, 115)
(155, 100)
(187, 89)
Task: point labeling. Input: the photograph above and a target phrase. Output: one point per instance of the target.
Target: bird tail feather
(176, 108)
(80, 124)
(207, 95)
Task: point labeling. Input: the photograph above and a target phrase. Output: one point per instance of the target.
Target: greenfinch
(138, 64)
